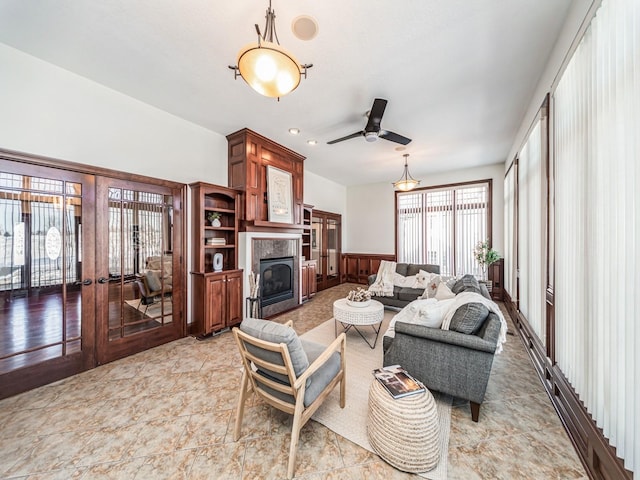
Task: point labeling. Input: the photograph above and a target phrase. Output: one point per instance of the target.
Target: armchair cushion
(276, 333)
(324, 375)
(153, 281)
(469, 318)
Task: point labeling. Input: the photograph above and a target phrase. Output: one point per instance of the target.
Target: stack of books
(216, 241)
(397, 381)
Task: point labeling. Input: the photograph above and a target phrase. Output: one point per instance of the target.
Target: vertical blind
(597, 229)
(441, 226)
(510, 261)
(531, 230)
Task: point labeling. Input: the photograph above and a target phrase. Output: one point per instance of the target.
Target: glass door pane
(140, 263)
(138, 296)
(333, 251)
(316, 242)
(41, 272)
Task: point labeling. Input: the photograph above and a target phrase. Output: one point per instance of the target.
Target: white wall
(49, 111)
(325, 194)
(372, 209)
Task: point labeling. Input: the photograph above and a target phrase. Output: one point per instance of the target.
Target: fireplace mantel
(249, 155)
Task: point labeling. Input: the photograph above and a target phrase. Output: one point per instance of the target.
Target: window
(442, 225)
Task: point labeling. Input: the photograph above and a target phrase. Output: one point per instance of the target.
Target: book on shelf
(216, 241)
(397, 381)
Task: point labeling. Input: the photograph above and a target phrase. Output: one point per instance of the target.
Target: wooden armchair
(290, 374)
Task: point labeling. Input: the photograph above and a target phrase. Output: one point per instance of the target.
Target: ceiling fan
(372, 130)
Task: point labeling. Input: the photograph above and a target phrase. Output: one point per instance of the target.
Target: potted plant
(485, 256)
(214, 219)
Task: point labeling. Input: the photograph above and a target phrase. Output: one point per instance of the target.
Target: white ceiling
(458, 74)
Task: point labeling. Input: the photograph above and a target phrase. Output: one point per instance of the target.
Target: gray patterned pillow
(464, 283)
(469, 318)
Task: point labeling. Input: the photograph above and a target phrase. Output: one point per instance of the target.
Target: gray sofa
(447, 361)
(403, 296)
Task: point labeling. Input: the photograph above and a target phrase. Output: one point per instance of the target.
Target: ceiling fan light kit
(266, 66)
(406, 182)
(372, 130)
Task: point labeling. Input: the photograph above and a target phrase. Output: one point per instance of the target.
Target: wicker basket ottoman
(405, 431)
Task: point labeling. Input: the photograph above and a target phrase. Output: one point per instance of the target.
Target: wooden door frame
(31, 376)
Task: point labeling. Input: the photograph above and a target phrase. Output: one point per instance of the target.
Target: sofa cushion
(401, 268)
(465, 282)
(410, 294)
(414, 268)
(469, 317)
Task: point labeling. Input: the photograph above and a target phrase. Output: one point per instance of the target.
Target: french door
(326, 235)
(77, 250)
(136, 235)
(47, 232)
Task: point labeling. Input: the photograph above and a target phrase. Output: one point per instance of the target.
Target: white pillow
(432, 286)
(443, 292)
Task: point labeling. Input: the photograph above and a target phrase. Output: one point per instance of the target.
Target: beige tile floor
(168, 413)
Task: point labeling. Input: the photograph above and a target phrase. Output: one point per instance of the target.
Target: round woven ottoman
(404, 431)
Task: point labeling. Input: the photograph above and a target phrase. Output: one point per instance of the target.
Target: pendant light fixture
(267, 67)
(406, 182)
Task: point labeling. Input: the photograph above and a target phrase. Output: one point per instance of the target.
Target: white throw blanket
(471, 297)
(383, 285)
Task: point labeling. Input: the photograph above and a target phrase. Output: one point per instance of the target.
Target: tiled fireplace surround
(255, 246)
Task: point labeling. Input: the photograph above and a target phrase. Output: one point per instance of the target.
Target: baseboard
(596, 453)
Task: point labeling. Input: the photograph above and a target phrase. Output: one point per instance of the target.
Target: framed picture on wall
(279, 195)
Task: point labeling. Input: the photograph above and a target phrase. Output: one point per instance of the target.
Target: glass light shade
(405, 185)
(269, 69)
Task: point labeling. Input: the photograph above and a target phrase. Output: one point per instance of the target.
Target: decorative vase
(215, 222)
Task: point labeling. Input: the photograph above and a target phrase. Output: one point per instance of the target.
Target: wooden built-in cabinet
(217, 301)
(249, 155)
(496, 275)
(216, 295)
(307, 213)
(357, 267)
(309, 280)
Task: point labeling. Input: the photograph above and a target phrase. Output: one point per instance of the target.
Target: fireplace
(276, 280)
(259, 247)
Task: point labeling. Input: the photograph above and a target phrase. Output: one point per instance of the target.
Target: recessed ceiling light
(400, 149)
(312, 142)
(294, 131)
(304, 27)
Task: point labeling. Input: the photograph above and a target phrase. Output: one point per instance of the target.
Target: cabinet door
(313, 281)
(234, 299)
(215, 311)
(304, 294)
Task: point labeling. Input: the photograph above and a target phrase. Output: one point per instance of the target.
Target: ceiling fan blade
(375, 115)
(394, 137)
(353, 135)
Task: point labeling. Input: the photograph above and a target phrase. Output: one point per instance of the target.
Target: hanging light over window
(406, 182)
(266, 66)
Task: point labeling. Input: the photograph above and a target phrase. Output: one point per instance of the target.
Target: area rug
(351, 421)
(154, 310)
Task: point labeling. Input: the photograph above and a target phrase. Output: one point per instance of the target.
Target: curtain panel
(597, 223)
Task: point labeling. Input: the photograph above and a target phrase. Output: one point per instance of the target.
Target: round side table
(353, 317)
(405, 431)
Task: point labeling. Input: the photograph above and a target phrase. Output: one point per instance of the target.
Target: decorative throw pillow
(422, 279)
(153, 281)
(465, 282)
(432, 286)
(402, 281)
(443, 292)
(469, 318)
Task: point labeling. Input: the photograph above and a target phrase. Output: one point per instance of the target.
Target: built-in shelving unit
(307, 212)
(216, 294)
